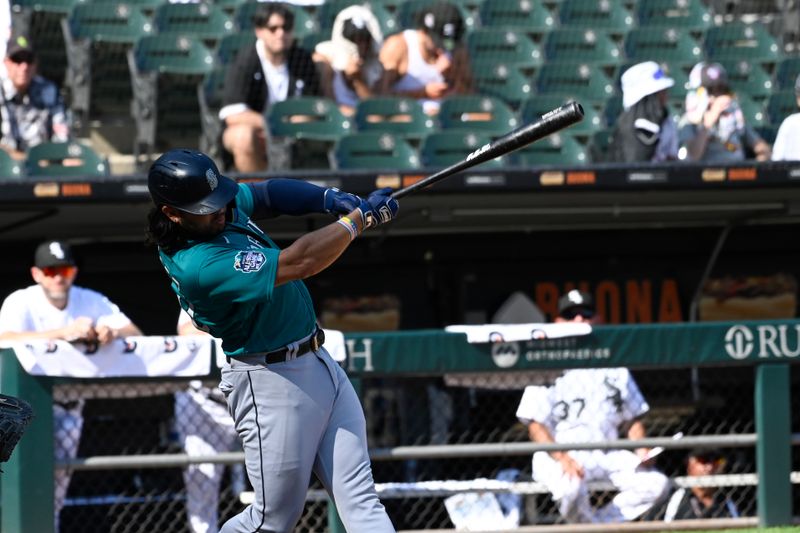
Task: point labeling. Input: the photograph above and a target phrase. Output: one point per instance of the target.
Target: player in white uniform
(205, 427)
(590, 405)
(56, 309)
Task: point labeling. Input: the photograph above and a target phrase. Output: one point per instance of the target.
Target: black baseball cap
(443, 22)
(705, 454)
(575, 299)
(714, 78)
(53, 253)
(19, 46)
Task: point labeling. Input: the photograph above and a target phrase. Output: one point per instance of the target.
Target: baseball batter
(292, 405)
(591, 405)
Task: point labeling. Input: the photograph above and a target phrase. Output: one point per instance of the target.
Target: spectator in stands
(204, 427)
(31, 107)
(56, 309)
(348, 62)
(714, 129)
(429, 62)
(590, 405)
(698, 501)
(787, 142)
(274, 69)
(645, 131)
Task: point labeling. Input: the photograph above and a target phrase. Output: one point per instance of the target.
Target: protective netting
(151, 419)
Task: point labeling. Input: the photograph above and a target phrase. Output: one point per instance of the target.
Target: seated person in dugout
(591, 405)
(430, 62)
(691, 503)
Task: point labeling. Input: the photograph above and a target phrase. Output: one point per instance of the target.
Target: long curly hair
(164, 233)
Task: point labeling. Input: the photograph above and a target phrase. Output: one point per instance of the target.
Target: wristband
(350, 226)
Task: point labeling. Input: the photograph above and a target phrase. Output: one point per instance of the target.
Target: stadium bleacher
(520, 51)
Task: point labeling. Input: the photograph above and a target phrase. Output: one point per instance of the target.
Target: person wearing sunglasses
(31, 107)
(698, 502)
(591, 405)
(54, 308)
(273, 69)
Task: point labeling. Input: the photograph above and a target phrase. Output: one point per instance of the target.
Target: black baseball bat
(551, 122)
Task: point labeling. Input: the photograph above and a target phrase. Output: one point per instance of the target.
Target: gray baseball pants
(294, 418)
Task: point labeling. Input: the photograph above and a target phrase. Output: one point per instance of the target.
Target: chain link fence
(474, 409)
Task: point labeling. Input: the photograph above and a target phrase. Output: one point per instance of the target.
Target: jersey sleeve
(534, 405)
(13, 314)
(236, 276)
(245, 202)
(634, 403)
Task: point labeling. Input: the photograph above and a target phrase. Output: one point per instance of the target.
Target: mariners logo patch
(249, 261)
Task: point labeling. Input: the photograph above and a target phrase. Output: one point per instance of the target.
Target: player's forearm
(314, 252)
(129, 330)
(53, 334)
(539, 433)
(637, 430)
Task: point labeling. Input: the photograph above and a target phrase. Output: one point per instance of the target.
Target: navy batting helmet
(189, 180)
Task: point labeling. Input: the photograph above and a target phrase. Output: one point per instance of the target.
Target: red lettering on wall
(638, 301)
(608, 302)
(669, 307)
(547, 298)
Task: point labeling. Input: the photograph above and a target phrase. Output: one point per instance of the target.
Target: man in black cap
(576, 306)
(31, 107)
(698, 502)
(714, 128)
(591, 405)
(429, 62)
(56, 309)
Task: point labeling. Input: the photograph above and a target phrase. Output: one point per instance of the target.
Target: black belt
(281, 355)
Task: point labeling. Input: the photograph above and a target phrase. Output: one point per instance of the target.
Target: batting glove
(378, 208)
(340, 202)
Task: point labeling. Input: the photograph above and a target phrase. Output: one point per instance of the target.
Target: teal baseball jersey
(227, 286)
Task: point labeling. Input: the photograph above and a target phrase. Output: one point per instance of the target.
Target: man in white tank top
(429, 62)
(56, 309)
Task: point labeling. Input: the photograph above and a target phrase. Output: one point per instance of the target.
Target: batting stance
(292, 405)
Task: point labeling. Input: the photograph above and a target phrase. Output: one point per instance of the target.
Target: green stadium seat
(609, 15)
(748, 79)
(201, 20)
(780, 105)
(231, 44)
(612, 109)
(48, 159)
(504, 81)
(10, 169)
(486, 114)
(97, 38)
(518, 16)
(533, 108)
(328, 11)
(584, 81)
(403, 117)
(558, 149)
(504, 46)
(165, 71)
(786, 73)
(742, 42)
(228, 6)
(304, 22)
(303, 132)
(40, 20)
(148, 7)
(308, 117)
(692, 16)
(662, 44)
(585, 45)
(445, 148)
(373, 150)
(407, 10)
(754, 113)
(768, 132)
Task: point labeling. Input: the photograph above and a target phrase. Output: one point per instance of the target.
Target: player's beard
(57, 297)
